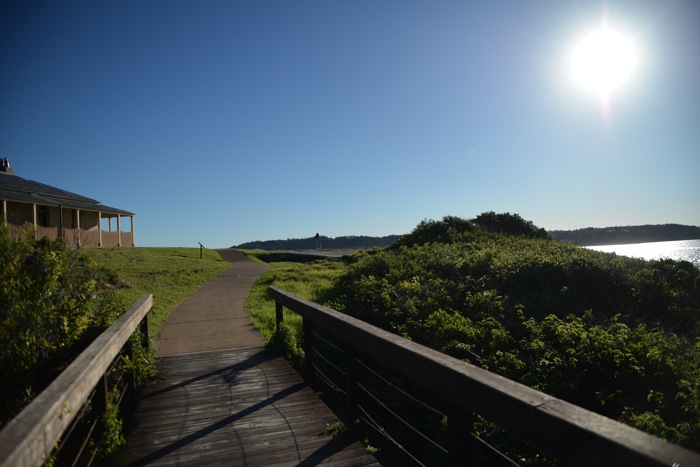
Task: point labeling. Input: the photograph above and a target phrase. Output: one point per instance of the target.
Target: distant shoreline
(593, 236)
(590, 236)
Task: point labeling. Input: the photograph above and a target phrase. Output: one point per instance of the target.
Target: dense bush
(448, 230)
(453, 229)
(53, 302)
(613, 334)
(509, 223)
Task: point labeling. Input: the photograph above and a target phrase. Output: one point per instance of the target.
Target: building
(56, 213)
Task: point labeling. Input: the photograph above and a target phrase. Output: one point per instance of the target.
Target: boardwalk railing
(570, 433)
(31, 437)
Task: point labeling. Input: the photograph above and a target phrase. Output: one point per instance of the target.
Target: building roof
(14, 188)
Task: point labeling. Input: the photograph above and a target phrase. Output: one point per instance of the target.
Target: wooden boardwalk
(237, 407)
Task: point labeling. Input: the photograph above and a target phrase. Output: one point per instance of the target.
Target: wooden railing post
(144, 333)
(279, 314)
(351, 378)
(101, 398)
(130, 375)
(308, 352)
(460, 443)
(100, 403)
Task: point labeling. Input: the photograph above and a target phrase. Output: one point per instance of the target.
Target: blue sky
(230, 121)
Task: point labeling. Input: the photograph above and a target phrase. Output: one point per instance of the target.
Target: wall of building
(89, 220)
(19, 215)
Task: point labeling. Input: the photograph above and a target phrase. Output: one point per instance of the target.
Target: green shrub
(284, 341)
(445, 231)
(453, 229)
(53, 302)
(509, 223)
(612, 334)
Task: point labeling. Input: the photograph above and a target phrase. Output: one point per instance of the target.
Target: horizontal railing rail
(570, 433)
(30, 438)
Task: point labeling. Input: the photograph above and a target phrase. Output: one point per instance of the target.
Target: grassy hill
(170, 274)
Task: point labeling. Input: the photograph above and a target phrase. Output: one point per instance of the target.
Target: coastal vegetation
(612, 334)
(52, 304)
(54, 301)
(615, 335)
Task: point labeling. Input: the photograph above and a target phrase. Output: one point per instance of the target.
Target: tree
(430, 231)
(509, 223)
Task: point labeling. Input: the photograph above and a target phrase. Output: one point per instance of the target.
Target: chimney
(5, 166)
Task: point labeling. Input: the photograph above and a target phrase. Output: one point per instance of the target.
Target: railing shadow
(229, 373)
(189, 439)
(328, 450)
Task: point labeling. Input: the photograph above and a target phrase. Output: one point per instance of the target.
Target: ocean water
(688, 250)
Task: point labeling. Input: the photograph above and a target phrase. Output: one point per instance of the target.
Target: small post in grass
(201, 249)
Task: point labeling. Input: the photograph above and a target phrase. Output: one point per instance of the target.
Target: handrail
(29, 438)
(570, 433)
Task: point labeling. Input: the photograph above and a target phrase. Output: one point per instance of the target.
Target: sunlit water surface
(688, 250)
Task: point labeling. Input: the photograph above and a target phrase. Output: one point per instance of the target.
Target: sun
(603, 61)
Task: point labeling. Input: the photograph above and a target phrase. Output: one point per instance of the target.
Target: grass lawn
(170, 274)
(308, 280)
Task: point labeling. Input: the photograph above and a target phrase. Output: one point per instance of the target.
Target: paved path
(213, 317)
(224, 399)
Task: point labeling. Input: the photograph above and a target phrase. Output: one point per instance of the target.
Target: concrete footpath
(213, 318)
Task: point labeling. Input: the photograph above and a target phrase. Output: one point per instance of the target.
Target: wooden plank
(229, 407)
(244, 433)
(173, 422)
(297, 414)
(30, 437)
(336, 454)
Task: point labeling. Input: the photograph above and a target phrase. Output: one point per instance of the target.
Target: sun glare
(603, 61)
